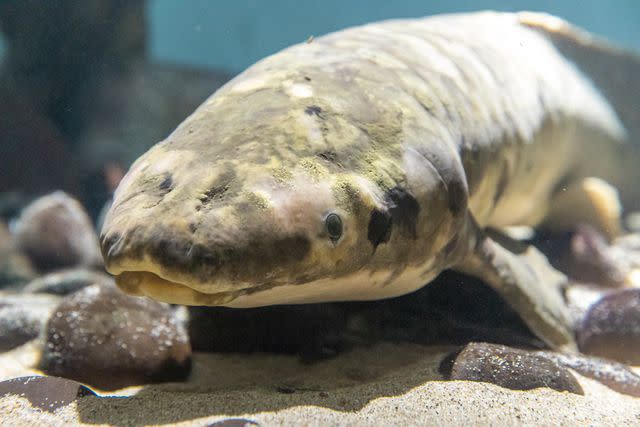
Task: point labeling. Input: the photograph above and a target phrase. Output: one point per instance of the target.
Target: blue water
(234, 34)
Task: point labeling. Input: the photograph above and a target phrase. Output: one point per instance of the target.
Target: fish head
(260, 199)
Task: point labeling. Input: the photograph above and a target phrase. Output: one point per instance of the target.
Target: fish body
(361, 164)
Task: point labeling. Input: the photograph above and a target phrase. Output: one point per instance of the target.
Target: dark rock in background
(55, 232)
(110, 340)
(15, 268)
(511, 368)
(611, 327)
(80, 95)
(586, 256)
(22, 318)
(34, 154)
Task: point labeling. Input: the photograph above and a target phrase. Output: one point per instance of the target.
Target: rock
(614, 375)
(580, 297)
(234, 422)
(45, 393)
(22, 318)
(511, 368)
(585, 256)
(34, 155)
(15, 268)
(55, 232)
(110, 340)
(611, 327)
(65, 282)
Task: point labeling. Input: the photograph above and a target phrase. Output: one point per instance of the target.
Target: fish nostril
(216, 192)
(167, 184)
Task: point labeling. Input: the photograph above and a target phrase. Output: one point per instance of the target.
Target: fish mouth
(145, 283)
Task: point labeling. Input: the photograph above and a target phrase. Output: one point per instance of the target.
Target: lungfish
(361, 164)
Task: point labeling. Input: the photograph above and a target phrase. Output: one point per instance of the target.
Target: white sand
(384, 385)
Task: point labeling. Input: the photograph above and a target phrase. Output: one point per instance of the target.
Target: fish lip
(146, 283)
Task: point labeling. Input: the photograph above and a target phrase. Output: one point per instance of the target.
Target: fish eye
(333, 223)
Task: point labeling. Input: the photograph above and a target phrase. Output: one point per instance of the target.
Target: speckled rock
(510, 368)
(22, 318)
(55, 232)
(45, 393)
(611, 327)
(65, 282)
(614, 375)
(110, 340)
(15, 268)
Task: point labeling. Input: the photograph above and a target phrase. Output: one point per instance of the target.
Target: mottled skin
(417, 133)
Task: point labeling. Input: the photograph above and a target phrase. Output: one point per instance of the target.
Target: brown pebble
(614, 375)
(511, 368)
(45, 393)
(110, 340)
(55, 232)
(611, 327)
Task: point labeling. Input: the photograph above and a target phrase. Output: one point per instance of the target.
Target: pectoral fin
(524, 278)
(591, 200)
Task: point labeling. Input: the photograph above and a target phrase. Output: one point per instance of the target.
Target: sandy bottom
(388, 384)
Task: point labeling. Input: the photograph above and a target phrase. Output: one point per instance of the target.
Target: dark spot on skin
(450, 248)
(457, 196)
(220, 189)
(307, 78)
(313, 110)
(404, 210)
(427, 109)
(379, 228)
(192, 227)
(213, 193)
(330, 156)
(167, 184)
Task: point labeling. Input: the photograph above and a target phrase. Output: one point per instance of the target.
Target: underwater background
(233, 35)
